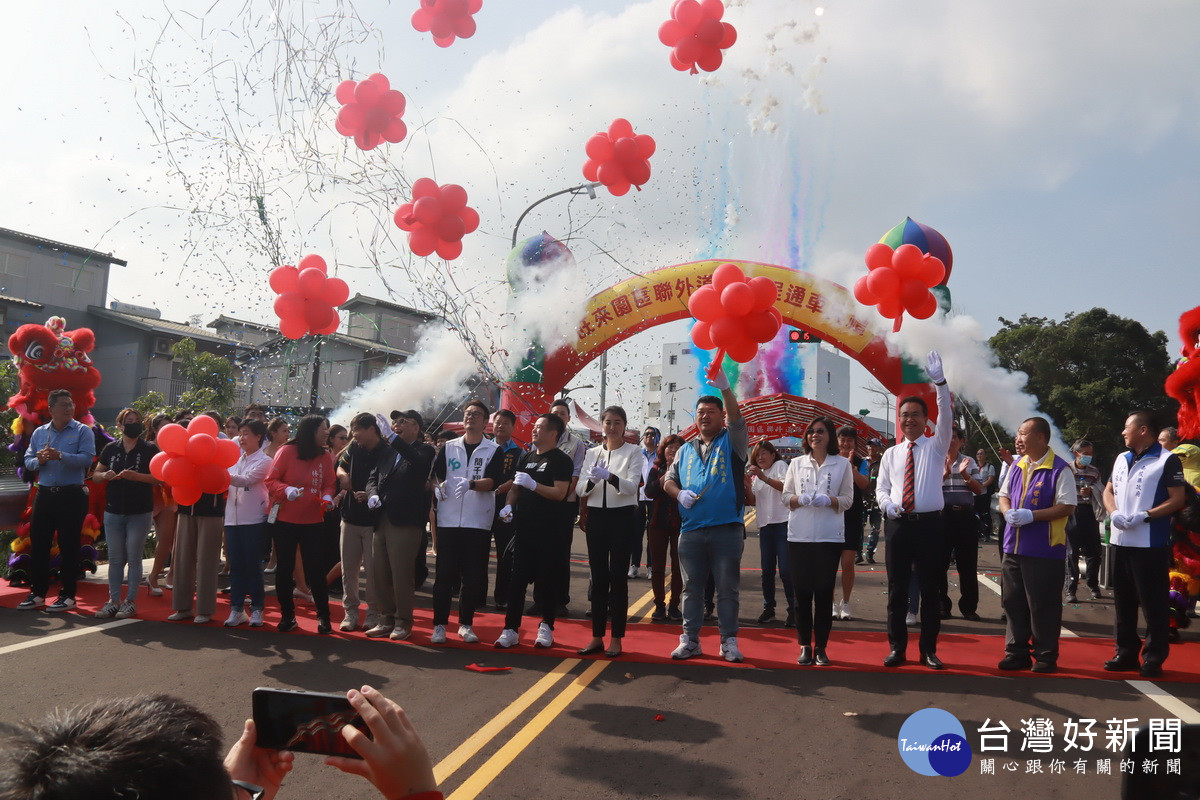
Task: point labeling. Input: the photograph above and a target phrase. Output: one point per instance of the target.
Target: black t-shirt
(854, 514)
(128, 497)
(508, 466)
(493, 470)
(358, 462)
(535, 513)
(869, 502)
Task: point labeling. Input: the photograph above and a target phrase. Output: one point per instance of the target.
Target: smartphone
(304, 722)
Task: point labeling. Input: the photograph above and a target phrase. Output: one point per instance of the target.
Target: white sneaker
(236, 617)
(201, 619)
(633, 572)
(545, 637)
(127, 610)
(846, 610)
(508, 638)
(179, 616)
(439, 635)
(837, 610)
(466, 633)
(688, 648)
(256, 619)
(911, 619)
(107, 611)
(730, 652)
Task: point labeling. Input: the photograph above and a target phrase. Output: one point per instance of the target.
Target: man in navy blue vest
(706, 479)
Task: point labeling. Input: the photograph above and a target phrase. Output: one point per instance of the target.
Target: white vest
(1134, 492)
(473, 509)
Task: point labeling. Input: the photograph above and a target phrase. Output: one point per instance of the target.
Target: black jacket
(401, 479)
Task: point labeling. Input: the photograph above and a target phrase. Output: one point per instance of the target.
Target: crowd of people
(334, 511)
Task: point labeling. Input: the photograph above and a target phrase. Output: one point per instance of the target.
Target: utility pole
(315, 392)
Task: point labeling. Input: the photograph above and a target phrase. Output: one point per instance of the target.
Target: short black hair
(446, 436)
(1041, 425)
(508, 415)
(250, 409)
(1148, 418)
(912, 398)
(561, 402)
(363, 421)
(712, 400)
(554, 422)
(216, 415)
(477, 403)
(831, 447)
(848, 430)
(156, 746)
(618, 411)
(56, 395)
(256, 427)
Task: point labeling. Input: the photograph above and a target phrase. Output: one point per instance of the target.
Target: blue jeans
(716, 550)
(244, 544)
(126, 536)
(773, 550)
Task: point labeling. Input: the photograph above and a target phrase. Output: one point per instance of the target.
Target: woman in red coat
(302, 482)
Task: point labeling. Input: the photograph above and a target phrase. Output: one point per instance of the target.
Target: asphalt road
(572, 728)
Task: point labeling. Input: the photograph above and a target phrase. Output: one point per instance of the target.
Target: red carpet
(764, 648)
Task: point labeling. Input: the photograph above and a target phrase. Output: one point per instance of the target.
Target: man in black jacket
(398, 486)
(354, 468)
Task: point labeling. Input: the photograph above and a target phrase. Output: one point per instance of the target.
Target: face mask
(1085, 461)
(133, 430)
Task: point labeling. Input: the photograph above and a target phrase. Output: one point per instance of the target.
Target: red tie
(910, 481)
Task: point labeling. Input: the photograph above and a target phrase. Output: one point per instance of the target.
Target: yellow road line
(467, 750)
(482, 777)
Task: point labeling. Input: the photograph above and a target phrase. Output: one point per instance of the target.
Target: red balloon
(345, 92)
(330, 328)
(907, 260)
(470, 218)
(883, 283)
(761, 326)
(774, 312)
(449, 250)
(201, 448)
(425, 187)
(742, 351)
(312, 261)
(696, 35)
(701, 337)
(336, 291)
(765, 292)
(228, 453)
(319, 314)
(878, 255)
(709, 60)
(727, 274)
(618, 158)
(422, 241)
(311, 283)
(638, 172)
(203, 424)
(890, 307)
(454, 197)
(185, 495)
(446, 19)
(862, 292)
(283, 279)
(289, 305)
(450, 228)
(688, 13)
(293, 327)
(367, 93)
(172, 439)
(710, 32)
(932, 271)
(923, 308)
(619, 189)
(619, 128)
(913, 292)
(645, 145)
(427, 210)
(705, 305)
(158, 462)
(727, 332)
(737, 299)
(436, 220)
(212, 478)
(178, 471)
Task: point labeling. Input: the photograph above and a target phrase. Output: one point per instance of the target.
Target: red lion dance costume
(1184, 385)
(50, 357)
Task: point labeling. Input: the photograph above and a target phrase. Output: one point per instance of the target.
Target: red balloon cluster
(618, 158)
(437, 219)
(899, 280)
(696, 33)
(371, 112)
(446, 19)
(308, 298)
(734, 315)
(194, 460)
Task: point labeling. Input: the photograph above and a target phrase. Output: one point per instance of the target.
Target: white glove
(891, 510)
(374, 502)
(1018, 517)
(821, 501)
(385, 430)
(933, 366)
(292, 492)
(439, 492)
(687, 498)
(719, 381)
(804, 499)
(1126, 521)
(600, 472)
(506, 513)
(525, 480)
(456, 487)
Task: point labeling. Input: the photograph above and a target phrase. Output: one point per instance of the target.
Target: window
(13, 264)
(687, 351)
(673, 360)
(293, 370)
(671, 387)
(75, 278)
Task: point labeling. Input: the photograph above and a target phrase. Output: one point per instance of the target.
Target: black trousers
(983, 512)
(638, 545)
(610, 537)
(814, 573)
(1032, 604)
(1140, 578)
(461, 561)
(1083, 539)
(502, 533)
(537, 556)
(962, 543)
(56, 509)
(311, 540)
(917, 540)
(564, 532)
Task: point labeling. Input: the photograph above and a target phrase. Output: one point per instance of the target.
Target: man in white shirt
(909, 493)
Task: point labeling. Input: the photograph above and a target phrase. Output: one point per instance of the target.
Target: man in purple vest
(1036, 498)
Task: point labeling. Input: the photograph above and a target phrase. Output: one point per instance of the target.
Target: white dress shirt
(929, 460)
(768, 501)
(625, 464)
(834, 479)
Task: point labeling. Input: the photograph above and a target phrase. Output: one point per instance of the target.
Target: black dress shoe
(674, 614)
(286, 624)
(932, 661)
(895, 659)
(972, 616)
(790, 622)
(767, 615)
(805, 659)
(819, 657)
(1121, 664)
(1150, 670)
(590, 651)
(323, 625)
(1045, 667)
(1012, 663)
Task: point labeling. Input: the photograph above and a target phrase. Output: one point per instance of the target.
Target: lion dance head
(49, 357)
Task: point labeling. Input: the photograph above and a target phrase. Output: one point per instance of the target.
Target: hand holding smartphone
(304, 722)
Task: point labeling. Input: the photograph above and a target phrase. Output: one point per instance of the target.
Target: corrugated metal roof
(9, 299)
(166, 327)
(108, 258)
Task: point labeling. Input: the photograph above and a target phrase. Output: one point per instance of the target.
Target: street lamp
(584, 188)
(564, 392)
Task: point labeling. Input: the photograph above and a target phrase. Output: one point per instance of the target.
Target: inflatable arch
(810, 303)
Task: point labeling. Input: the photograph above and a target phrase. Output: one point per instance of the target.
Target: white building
(671, 386)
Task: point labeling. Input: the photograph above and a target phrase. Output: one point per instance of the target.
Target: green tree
(1089, 370)
(10, 383)
(210, 376)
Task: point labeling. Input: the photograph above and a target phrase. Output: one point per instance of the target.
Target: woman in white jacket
(246, 523)
(609, 479)
(818, 488)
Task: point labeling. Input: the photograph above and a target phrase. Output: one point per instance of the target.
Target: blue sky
(1053, 144)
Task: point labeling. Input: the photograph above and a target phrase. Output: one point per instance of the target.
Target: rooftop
(363, 300)
(165, 327)
(107, 258)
